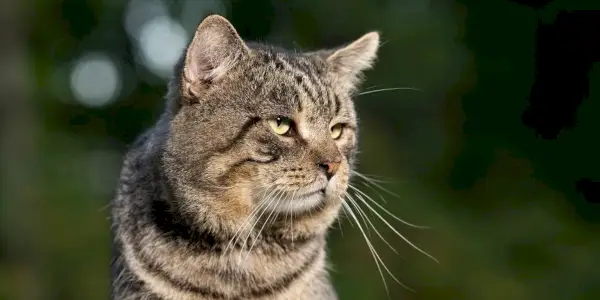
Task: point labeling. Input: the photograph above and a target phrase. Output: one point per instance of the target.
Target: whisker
(292, 217)
(390, 89)
(365, 183)
(378, 261)
(349, 211)
(266, 204)
(340, 226)
(396, 231)
(367, 179)
(372, 87)
(276, 203)
(347, 216)
(387, 211)
(244, 224)
(375, 178)
(105, 207)
(360, 210)
(254, 221)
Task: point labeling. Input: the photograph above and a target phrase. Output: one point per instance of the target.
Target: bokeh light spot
(95, 80)
(139, 12)
(161, 43)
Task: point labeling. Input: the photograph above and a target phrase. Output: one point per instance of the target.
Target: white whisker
(292, 217)
(276, 201)
(360, 211)
(349, 211)
(375, 178)
(238, 233)
(258, 209)
(396, 231)
(390, 89)
(373, 87)
(371, 181)
(378, 261)
(387, 211)
(340, 226)
(365, 183)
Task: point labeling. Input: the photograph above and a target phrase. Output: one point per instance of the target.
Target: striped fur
(211, 203)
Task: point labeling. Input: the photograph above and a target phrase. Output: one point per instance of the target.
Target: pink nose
(330, 168)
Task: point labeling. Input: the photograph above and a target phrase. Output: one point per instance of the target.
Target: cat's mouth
(312, 193)
(300, 200)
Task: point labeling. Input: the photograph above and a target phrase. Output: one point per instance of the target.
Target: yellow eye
(336, 131)
(281, 125)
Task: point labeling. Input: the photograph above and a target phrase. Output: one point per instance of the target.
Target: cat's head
(264, 126)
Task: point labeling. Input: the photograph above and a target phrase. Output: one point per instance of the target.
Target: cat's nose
(330, 168)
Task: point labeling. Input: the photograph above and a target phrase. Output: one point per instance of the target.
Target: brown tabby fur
(211, 203)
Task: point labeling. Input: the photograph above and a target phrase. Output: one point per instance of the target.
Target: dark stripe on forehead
(298, 101)
(338, 103)
(300, 76)
(304, 90)
(317, 77)
(333, 105)
(309, 69)
(308, 81)
(311, 93)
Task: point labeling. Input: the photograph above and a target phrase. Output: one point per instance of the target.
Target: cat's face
(276, 129)
(301, 136)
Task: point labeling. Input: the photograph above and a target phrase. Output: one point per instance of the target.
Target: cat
(231, 193)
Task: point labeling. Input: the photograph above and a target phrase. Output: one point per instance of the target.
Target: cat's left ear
(214, 50)
(349, 62)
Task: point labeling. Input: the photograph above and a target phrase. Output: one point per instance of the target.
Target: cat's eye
(281, 125)
(336, 130)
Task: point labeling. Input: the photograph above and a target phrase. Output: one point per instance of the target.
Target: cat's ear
(349, 62)
(214, 50)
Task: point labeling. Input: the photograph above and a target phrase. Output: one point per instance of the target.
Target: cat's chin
(299, 204)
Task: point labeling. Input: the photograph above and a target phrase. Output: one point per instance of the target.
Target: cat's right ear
(349, 62)
(214, 50)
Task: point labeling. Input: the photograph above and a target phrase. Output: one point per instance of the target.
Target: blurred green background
(507, 222)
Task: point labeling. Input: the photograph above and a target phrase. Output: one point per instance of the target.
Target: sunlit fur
(212, 204)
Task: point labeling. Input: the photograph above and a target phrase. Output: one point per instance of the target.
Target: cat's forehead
(291, 63)
(296, 83)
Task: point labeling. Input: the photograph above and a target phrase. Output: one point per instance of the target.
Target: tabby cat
(231, 193)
